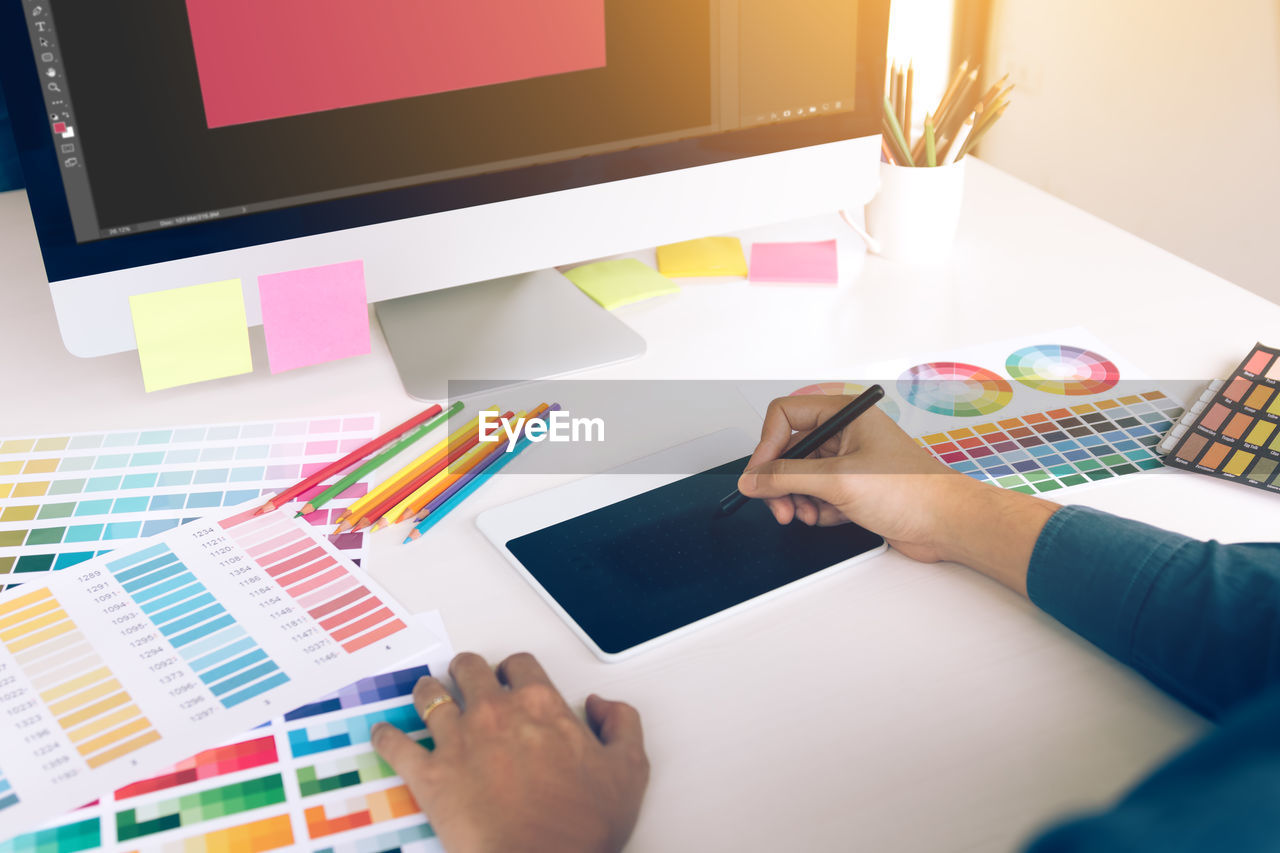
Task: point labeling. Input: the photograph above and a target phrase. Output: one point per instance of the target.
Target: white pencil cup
(915, 215)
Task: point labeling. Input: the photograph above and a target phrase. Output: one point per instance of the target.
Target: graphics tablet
(629, 560)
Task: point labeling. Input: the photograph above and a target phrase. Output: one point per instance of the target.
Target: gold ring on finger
(433, 705)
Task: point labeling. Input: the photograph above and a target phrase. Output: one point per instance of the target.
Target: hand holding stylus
(874, 474)
(811, 441)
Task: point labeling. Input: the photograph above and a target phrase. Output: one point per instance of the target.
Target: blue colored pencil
(438, 500)
(463, 493)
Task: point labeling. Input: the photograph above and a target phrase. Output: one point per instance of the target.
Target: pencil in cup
(465, 490)
(373, 514)
(378, 461)
(398, 479)
(347, 461)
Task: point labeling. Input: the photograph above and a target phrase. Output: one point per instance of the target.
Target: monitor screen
(183, 128)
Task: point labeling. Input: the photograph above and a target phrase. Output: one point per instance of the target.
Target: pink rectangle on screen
(794, 263)
(281, 472)
(267, 59)
(291, 428)
(287, 449)
(356, 424)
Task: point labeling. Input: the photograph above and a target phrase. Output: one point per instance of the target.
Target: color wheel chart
(196, 634)
(954, 389)
(305, 781)
(1094, 432)
(67, 498)
(1023, 413)
(1059, 369)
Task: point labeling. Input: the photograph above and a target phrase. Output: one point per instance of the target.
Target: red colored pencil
(413, 485)
(350, 459)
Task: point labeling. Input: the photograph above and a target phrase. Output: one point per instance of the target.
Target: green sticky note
(620, 282)
(710, 256)
(191, 334)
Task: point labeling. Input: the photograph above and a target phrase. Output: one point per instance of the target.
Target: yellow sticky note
(709, 256)
(191, 334)
(620, 282)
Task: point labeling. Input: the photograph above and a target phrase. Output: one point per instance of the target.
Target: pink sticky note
(794, 263)
(314, 315)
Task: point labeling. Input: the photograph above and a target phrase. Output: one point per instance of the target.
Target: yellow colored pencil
(408, 472)
(431, 489)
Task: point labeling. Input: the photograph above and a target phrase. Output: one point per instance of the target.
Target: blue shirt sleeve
(1199, 619)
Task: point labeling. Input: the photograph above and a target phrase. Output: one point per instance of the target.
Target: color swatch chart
(1236, 434)
(306, 781)
(1069, 446)
(1034, 414)
(126, 662)
(65, 499)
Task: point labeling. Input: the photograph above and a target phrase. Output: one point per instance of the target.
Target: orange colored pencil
(407, 473)
(432, 488)
(422, 500)
(372, 515)
(350, 459)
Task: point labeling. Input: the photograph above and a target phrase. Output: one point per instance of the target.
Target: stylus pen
(735, 500)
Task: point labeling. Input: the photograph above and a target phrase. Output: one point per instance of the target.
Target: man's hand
(876, 475)
(514, 768)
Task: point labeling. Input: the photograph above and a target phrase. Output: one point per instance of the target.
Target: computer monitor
(177, 143)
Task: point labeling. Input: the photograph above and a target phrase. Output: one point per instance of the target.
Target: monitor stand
(499, 333)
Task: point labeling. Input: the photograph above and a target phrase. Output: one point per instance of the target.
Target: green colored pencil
(930, 144)
(895, 131)
(379, 460)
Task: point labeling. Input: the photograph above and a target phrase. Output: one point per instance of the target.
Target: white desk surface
(895, 706)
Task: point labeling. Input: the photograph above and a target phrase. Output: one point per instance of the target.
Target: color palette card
(130, 661)
(307, 780)
(1236, 435)
(67, 498)
(1035, 413)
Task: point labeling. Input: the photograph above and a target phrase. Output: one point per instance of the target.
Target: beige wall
(1161, 116)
